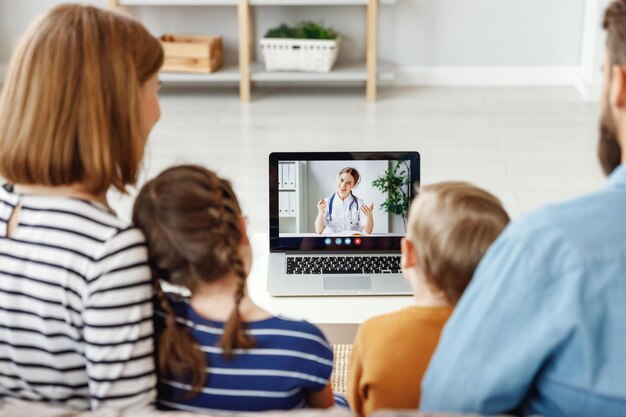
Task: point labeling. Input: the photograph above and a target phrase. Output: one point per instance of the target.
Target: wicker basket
(310, 55)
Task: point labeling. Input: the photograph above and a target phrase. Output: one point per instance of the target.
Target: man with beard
(541, 328)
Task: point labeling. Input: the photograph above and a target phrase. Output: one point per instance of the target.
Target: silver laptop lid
(361, 212)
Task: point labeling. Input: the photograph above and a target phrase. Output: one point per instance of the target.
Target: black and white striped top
(75, 306)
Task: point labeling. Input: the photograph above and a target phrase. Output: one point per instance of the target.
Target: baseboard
(486, 76)
(588, 91)
(480, 76)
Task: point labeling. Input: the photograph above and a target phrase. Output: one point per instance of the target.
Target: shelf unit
(291, 191)
(248, 71)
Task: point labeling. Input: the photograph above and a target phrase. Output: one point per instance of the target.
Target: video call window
(343, 198)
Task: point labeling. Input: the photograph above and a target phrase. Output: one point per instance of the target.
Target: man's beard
(609, 151)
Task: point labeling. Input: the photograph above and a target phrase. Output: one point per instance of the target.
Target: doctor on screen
(343, 211)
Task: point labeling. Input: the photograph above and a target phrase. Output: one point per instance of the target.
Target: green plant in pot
(307, 46)
(395, 183)
(306, 29)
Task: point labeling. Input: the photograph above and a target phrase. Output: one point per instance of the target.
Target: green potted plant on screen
(395, 183)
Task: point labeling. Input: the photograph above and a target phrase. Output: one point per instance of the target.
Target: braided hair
(191, 220)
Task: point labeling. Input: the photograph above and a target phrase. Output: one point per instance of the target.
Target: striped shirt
(75, 306)
(290, 359)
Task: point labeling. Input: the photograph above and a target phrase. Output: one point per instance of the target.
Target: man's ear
(617, 94)
(244, 233)
(408, 259)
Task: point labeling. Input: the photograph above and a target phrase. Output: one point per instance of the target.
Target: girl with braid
(216, 350)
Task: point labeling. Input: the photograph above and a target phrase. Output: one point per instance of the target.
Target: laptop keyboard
(343, 264)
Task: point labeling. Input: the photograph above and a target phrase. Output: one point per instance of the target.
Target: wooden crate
(194, 54)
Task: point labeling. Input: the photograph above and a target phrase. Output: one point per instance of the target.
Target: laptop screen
(340, 201)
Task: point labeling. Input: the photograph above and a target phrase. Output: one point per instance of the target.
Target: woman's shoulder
(97, 220)
(86, 228)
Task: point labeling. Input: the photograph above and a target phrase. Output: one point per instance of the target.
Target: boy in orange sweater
(450, 227)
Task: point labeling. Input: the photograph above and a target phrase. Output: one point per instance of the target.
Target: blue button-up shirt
(541, 329)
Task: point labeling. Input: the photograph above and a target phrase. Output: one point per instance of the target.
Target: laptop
(334, 226)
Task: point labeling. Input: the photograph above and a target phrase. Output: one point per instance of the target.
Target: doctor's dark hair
(451, 225)
(355, 174)
(192, 222)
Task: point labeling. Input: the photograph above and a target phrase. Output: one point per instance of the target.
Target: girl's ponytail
(235, 336)
(179, 356)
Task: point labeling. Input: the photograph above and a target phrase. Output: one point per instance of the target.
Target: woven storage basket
(312, 55)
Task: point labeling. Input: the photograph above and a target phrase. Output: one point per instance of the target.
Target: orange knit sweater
(389, 358)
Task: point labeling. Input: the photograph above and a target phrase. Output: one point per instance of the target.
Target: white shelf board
(354, 72)
(252, 2)
(178, 2)
(386, 71)
(229, 73)
(315, 2)
(345, 72)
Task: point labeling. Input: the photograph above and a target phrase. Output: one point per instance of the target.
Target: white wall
(592, 50)
(15, 16)
(484, 32)
(414, 34)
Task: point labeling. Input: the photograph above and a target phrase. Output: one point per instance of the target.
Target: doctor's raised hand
(319, 220)
(368, 211)
(321, 206)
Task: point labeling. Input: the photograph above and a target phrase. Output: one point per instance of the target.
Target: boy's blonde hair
(69, 111)
(451, 225)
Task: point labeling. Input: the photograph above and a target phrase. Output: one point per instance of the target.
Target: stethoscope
(329, 217)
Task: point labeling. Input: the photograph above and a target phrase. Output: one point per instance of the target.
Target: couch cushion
(10, 408)
(415, 413)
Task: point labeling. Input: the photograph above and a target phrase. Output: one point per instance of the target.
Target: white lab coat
(346, 215)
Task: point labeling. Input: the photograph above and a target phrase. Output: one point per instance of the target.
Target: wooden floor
(529, 146)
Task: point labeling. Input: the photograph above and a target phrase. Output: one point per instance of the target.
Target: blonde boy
(450, 227)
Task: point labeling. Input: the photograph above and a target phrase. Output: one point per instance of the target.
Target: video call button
(338, 241)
